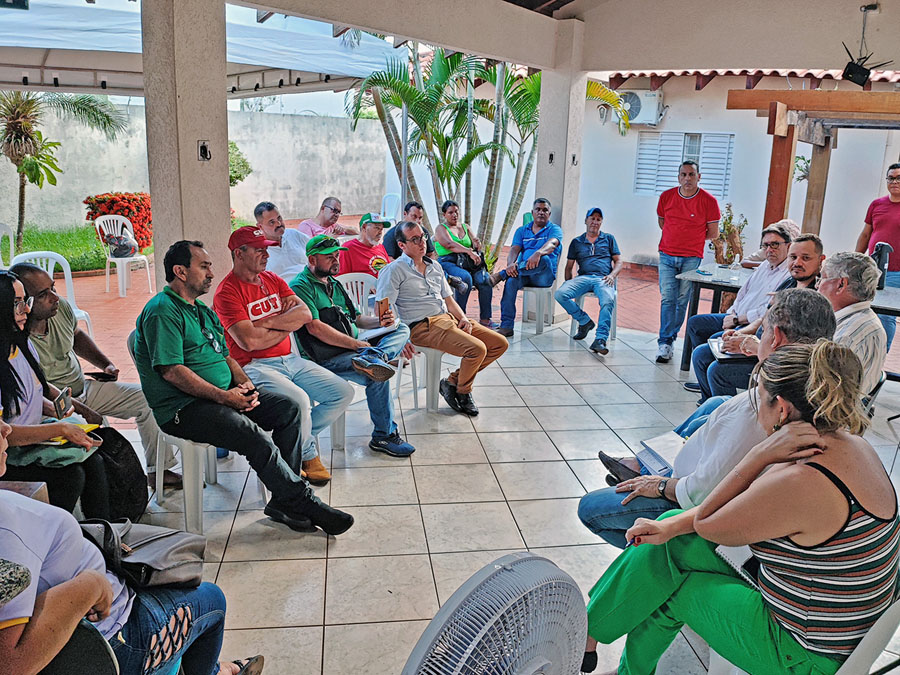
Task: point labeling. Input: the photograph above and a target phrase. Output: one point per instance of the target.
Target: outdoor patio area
(476, 488)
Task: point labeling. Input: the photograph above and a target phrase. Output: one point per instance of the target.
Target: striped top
(827, 596)
(860, 330)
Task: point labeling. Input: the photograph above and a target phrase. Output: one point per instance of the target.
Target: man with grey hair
(326, 221)
(849, 281)
(798, 315)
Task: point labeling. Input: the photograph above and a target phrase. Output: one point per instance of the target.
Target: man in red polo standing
(688, 216)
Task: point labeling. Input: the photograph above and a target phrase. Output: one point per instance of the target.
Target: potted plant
(729, 245)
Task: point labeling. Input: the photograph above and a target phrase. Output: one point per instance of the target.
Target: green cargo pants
(650, 592)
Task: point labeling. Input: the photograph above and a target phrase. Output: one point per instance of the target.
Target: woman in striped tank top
(819, 512)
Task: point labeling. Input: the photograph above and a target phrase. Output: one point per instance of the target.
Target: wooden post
(815, 190)
(781, 165)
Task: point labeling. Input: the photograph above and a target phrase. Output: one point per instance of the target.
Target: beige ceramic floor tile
(288, 651)
(372, 487)
(223, 496)
(591, 473)
(387, 588)
(577, 359)
(446, 449)
(597, 394)
(274, 593)
(537, 480)
(550, 395)
(505, 419)
(381, 530)
(456, 483)
(663, 392)
(492, 377)
(633, 437)
(441, 422)
(496, 396)
(640, 373)
(358, 454)
(522, 360)
(369, 648)
(518, 446)
(570, 418)
(630, 415)
(255, 536)
(470, 527)
(551, 522)
(452, 569)
(597, 374)
(585, 444)
(676, 411)
(534, 376)
(254, 498)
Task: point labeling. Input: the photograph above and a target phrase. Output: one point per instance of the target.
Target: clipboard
(715, 346)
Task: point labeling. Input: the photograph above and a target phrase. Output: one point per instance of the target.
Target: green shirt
(464, 240)
(56, 350)
(170, 331)
(313, 291)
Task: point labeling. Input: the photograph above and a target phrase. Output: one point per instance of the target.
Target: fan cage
(520, 615)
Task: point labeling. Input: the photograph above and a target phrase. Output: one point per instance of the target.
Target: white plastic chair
(47, 261)
(860, 661)
(359, 287)
(543, 300)
(573, 328)
(390, 206)
(117, 226)
(9, 232)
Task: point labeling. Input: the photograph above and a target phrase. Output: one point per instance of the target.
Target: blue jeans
(602, 513)
(152, 610)
(541, 276)
(698, 418)
(304, 381)
(481, 281)
(676, 294)
(891, 279)
(378, 394)
(588, 283)
(700, 328)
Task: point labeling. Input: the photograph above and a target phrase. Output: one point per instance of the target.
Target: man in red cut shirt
(366, 253)
(259, 312)
(883, 224)
(688, 216)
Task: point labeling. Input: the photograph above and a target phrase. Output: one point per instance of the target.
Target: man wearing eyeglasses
(259, 312)
(883, 224)
(326, 221)
(199, 392)
(749, 305)
(416, 287)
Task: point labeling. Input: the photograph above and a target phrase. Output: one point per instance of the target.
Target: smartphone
(381, 306)
(101, 376)
(62, 403)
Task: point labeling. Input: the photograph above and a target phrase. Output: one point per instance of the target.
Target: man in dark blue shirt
(532, 261)
(599, 263)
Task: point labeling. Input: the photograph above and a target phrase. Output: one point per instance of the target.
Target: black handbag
(125, 475)
(148, 555)
(465, 261)
(335, 317)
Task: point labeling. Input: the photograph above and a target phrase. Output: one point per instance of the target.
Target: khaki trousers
(478, 350)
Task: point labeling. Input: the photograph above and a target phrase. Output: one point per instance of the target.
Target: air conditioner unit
(643, 106)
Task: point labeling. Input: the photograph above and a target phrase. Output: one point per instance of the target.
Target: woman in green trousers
(827, 560)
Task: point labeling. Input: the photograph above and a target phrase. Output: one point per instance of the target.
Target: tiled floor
(507, 480)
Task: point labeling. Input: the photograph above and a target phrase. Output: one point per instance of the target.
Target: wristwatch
(661, 487)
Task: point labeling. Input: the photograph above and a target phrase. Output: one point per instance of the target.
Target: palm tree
(23, 144)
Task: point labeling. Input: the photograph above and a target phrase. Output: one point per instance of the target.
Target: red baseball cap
(249, 235)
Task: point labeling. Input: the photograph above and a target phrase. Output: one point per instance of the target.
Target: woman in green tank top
(459, 252)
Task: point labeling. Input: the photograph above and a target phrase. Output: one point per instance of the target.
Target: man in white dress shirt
(288, 258)
(797, 315)
(751, 301)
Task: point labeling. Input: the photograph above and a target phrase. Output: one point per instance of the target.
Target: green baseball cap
(374, 218)
(323, 244)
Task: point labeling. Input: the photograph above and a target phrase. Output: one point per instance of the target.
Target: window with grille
(660, 154)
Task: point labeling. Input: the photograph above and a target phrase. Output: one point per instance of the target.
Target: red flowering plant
(133, 205)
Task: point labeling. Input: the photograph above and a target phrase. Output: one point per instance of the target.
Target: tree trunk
(498, 182)
(516, 202)
(393, 140)
(470, 139)
(20, 225)
(495, 153)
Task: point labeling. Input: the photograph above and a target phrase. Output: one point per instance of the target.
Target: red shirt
(361, 258)
(684, 222)
(884, 217)
(237, 300)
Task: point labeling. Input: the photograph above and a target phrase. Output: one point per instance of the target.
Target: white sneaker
(664, 353)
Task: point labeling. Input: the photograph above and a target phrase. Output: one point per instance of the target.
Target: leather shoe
(506, 332)
(448, 391)
(584, 329)
(329, 519)
(457, 284)
(282, 513)
(619, 471)
(692, 387)
(467, 404)
(611, 480)
(315, 472)
(170, 480)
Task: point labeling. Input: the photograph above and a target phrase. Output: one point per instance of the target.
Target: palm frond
(597, 91)
(92, 111)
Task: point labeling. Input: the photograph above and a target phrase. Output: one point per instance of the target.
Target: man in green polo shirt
(332, 339)
(200, 393)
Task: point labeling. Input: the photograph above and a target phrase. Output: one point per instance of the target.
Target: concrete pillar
(184, 85)
(560, 135)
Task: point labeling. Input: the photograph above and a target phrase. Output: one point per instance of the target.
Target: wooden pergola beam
(656, 81)
(815, 189)
(781, 173)
(703, 80)
(826, 101)
(617, 81)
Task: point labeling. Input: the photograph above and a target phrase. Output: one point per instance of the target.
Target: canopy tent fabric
(90, 49)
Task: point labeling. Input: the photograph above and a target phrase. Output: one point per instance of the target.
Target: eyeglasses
(893, 179)
(213, 340)
(415, 240)
(24, 306)
(334, 210)
(772, 244)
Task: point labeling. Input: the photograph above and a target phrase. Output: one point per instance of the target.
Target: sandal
(251, 666)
